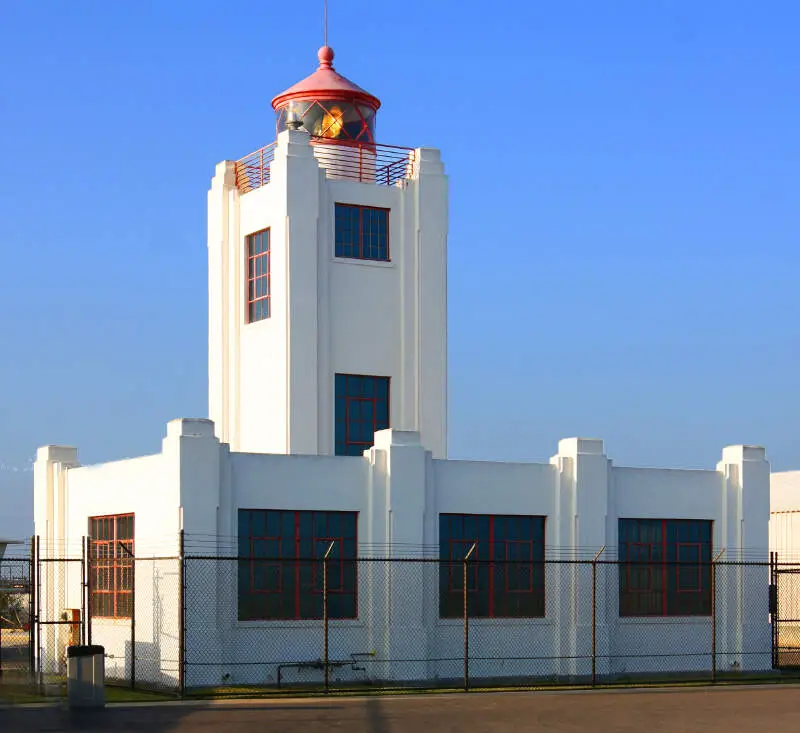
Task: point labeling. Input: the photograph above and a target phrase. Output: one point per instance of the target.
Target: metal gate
(785, 611)
(59, 599)
(16, 619)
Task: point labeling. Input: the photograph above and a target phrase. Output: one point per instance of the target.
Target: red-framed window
(361, 407)
(281, 569)
(362, 232)
(505, 573)
(665, 567)
(258, 276)
(111, 554)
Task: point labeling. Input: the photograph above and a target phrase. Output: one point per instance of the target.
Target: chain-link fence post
(89, 600)
(466, 618)
(181, 614)
(124, 551)
(773, 605)
(325, 614)
(32, 615)
(83, 591)
(713, 621)
(39, 680)
(594, 616)
(714, 616)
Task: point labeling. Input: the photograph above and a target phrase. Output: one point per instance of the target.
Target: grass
(19, 692)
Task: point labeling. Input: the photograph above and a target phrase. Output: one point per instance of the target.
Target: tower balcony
(364, 162)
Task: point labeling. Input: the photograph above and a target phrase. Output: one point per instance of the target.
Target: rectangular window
(362, 232)
(665, 567)
(280, 564)
(362, 407)
(505, 573)
(111, 557)
(258, 276)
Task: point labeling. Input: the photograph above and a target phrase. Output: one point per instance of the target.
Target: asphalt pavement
(708, 710)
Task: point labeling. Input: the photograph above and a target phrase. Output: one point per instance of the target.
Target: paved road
(720, 710)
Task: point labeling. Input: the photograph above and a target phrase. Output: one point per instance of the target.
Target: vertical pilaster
(426, 266)
(192, 457)
(742, 620)
(398, 462)
(222, 313)
(296, 178)
(583, 507)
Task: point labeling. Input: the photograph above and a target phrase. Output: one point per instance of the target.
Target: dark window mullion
(297, 588)
(491, 566)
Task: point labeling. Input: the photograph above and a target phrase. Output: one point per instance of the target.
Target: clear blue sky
(623, 255)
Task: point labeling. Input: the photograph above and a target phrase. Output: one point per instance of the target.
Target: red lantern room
(328, 105)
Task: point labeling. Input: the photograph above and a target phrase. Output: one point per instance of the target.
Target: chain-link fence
(386, 623)
(203, 624)
(133, 613)
(785, 602)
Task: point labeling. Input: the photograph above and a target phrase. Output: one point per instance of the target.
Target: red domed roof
(326, 83)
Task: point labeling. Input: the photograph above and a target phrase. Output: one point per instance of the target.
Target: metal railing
(382, 165)
(253, 170)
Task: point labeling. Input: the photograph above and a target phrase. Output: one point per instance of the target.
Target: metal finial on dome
(325, 56)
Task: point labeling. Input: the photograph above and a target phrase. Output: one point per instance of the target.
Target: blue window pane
(367, 411)
(361, 232)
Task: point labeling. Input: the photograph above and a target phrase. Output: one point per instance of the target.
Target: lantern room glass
(333, 119)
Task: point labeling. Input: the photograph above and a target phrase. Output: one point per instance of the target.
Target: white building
(327, 398)
(784, 520)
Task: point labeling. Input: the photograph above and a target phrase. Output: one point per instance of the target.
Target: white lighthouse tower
(327, 258)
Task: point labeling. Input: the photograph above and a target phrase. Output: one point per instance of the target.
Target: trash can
(86, 671)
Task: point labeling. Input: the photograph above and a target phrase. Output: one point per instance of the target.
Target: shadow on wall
(155, 636)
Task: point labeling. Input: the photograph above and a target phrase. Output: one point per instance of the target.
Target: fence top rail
(473, 561)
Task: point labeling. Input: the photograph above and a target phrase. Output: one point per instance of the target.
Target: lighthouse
(327, 253)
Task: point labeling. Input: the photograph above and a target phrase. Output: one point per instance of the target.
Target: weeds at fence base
(619, 682)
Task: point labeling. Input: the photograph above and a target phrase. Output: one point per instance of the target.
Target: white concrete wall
(399, 493)
(271, 382)
(152, 489)
(399, 490)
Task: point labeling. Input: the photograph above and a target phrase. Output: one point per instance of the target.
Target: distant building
(5, 543)
(784, 520)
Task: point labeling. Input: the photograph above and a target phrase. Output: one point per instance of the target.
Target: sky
(624, 219)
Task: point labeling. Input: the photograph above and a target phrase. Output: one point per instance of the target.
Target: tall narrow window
(258, 276)
(362, 407)
(112, 566)
(505, 574)
(665, 567)
(280, 564)
(362, 232)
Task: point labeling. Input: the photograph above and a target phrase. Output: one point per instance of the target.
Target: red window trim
(629, 565)
(112, 563)
(301, 562)
(360, 398)
(697, 563)
(456, 564)
(251, 278)
(361, 208)
(531, 587)
(664, 563)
